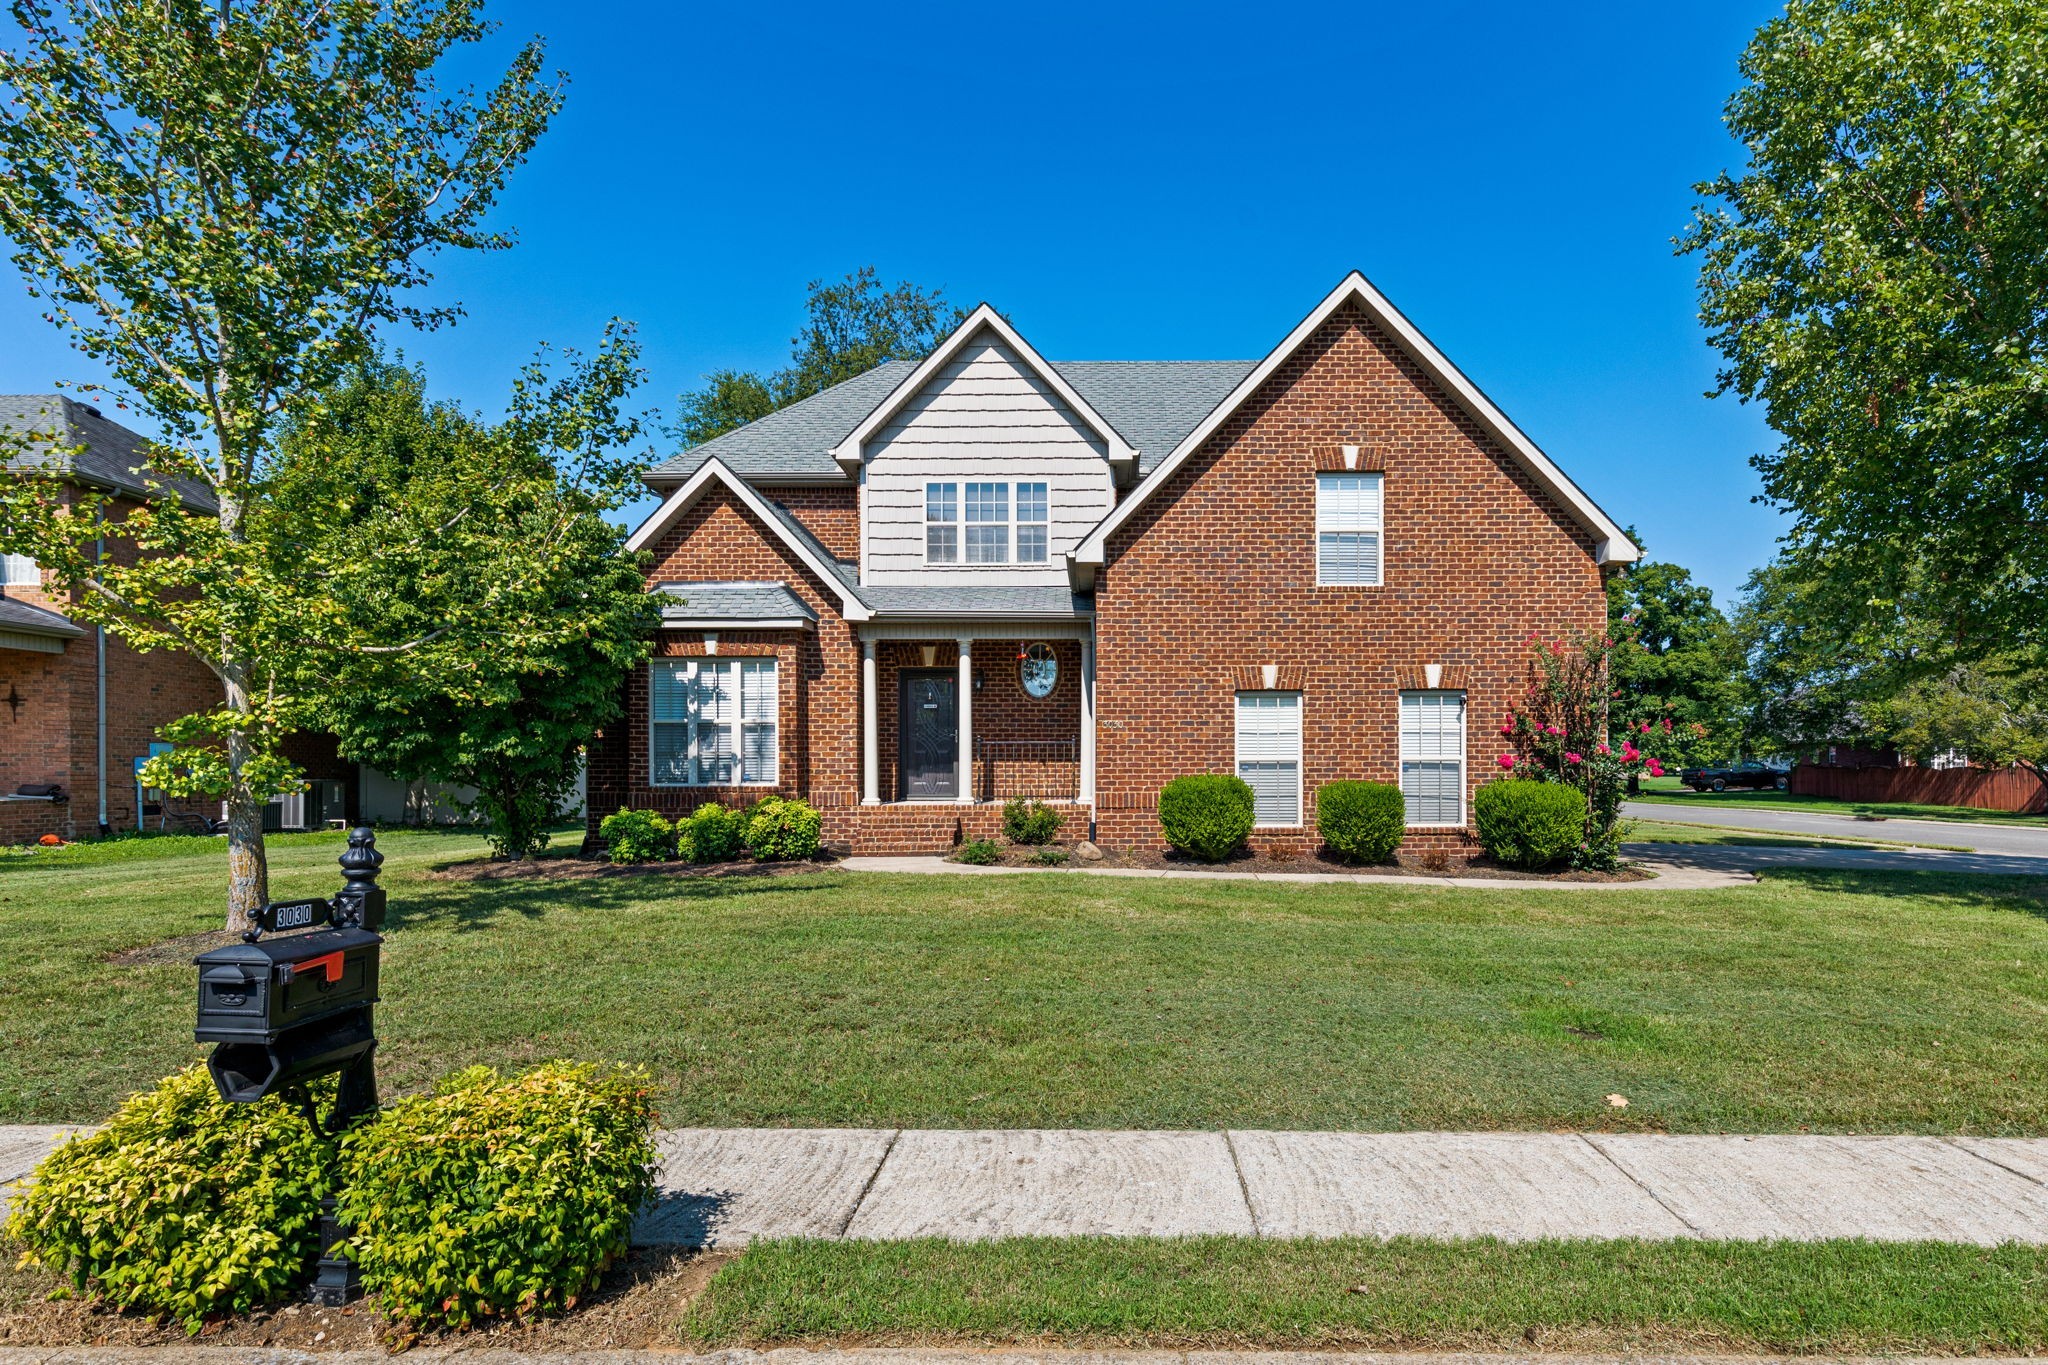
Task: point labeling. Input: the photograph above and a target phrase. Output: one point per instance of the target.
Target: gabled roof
(983, 319)
(1613, 545)
(110, 456)
(714, 474)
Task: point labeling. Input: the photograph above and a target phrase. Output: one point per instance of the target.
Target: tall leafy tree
(1675, 660)
(490, 537)
(1994, 710)
(849, 328)
(1875, 277)
(220, 200)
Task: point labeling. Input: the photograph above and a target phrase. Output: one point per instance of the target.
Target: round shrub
(980, 852)
(783, 829)
(1529, 824)
(637, 836)
(1362, 821)
(1207, 815)
(711, 834)
(1031, 822)
(497, 1197)
(183, 1205)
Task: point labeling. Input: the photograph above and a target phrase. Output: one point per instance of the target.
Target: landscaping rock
(1087, 852)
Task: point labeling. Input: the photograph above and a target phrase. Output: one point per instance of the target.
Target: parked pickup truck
(1757, 776)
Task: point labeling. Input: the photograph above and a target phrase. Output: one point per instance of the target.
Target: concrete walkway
(1669, 873)
(722, 1187)
(2016, 841)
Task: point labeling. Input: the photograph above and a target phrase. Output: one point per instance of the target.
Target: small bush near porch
(1834, 1001)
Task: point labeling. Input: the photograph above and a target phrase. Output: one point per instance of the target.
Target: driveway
(2012, 840)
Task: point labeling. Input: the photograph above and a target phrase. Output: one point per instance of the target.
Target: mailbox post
(282, 1011)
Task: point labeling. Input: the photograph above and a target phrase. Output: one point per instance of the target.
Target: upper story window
(1348, 530)
(711, 722)
(19, 571)
(974, 523)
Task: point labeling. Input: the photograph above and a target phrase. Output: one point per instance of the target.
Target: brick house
(943, 584)
(81, 705)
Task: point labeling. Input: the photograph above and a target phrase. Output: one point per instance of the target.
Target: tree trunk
(248, 863)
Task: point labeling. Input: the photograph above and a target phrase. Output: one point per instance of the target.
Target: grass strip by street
(1667, 792)
(1846, 1297)
(1736, 836)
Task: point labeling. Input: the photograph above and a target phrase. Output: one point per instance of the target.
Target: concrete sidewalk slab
(1515, 1186)
(723, 1187)
(22, 1145)
(1665, 874)
(1884, 1188)
(2024, 1157)
(974, 1185)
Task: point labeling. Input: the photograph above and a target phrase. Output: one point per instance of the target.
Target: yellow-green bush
(497, 1197)
(183, 1206)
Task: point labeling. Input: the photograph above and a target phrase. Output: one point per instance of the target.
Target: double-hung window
(19, 571)
(1033, 517)
(1433, 757)
(1269, 754)
(988, 523)
(941, 523)
(1348, 530)
(711, 722)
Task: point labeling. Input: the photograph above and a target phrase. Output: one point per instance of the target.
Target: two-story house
(939, 585)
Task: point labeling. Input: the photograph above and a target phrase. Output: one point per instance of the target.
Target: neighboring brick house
(942, 584)
(81, 705)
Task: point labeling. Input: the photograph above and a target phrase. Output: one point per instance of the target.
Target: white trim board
(984, 318)
(1613, 547)
(714, 470)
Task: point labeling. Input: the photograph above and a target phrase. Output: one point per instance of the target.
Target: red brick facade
(1212, 581)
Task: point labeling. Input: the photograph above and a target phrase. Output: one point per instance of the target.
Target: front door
(928, 736)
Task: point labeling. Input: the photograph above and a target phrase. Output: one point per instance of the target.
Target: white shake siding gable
(984, 417)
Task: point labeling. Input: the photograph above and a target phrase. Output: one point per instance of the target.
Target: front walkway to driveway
(722, 1187)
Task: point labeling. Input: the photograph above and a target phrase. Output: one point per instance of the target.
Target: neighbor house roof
(753, 606)
(1150, 403)
(76, 439)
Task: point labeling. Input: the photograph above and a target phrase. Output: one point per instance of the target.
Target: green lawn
(1667, 791)
(1751, 1297)
(1829, 1000)
(1672, 832)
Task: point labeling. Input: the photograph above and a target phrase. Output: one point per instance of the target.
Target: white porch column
(966, 708)
(870, 744)
(1087, 792)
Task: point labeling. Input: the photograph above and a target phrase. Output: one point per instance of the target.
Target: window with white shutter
(1348, 530)
(1433, 757)
(711, 722)
(1269, 754)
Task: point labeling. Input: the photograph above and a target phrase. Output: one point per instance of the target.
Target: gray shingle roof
(733, 602)
(113, 456)
(20, 616)
(911, 599)
(1151, 403)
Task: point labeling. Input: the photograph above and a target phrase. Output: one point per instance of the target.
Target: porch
(978, 715)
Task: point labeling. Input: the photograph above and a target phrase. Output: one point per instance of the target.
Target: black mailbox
(254, 992)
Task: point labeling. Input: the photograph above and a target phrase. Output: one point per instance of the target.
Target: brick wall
(1217, 573)
(830, 514)
(1003, 712)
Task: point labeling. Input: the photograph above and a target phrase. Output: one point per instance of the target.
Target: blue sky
(1172, 182)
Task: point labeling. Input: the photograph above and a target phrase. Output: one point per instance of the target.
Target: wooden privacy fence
(2013, 789)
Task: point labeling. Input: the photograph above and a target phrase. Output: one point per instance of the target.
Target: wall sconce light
(979, 679)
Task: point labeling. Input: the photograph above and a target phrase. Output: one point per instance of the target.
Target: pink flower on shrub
(1629, 752)
(1507, 729)
(1506, 761)
(1573, 758)
(1667, 725)
(1646, 727)
(1601, 748)
(1553, 729)
(1656, 768)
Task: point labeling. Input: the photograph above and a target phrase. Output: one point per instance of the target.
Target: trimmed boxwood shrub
(1529, 824)
(711, 834)
(779, 828)
(184, 1205)
(1362, 821)
(497, 1197)
(1031, 822)
(1207, 815)
(637, 836)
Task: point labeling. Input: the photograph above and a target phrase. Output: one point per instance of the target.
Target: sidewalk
(722, 1187)
(1668, 873)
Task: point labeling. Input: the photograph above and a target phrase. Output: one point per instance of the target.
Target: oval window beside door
(1038, 669)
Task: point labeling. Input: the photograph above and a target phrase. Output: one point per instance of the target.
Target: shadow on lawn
(472, 906)
(2027, 894)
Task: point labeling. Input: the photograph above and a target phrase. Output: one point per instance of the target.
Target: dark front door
(928, 736)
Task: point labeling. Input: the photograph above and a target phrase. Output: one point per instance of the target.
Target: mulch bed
(637, 1307)
(580, 869)
(1480, 869)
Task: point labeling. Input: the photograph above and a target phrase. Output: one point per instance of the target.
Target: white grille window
(1033, 516)
(1433, 757)
(1269, 754)
(711, 722)
(988, 523)
(941, 531)
(1348, 530)
(19, 571)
